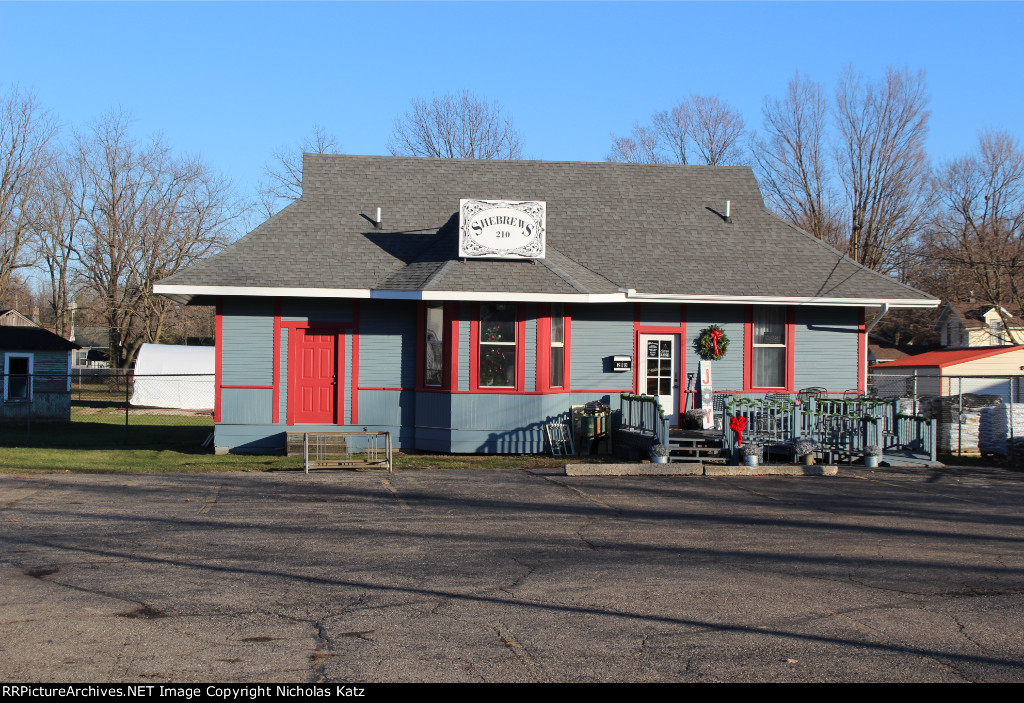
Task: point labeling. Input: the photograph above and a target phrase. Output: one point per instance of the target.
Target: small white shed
(174, 376)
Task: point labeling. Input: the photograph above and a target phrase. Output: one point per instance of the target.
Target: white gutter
(886, 303)
(497, 296)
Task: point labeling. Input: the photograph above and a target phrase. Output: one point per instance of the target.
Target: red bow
(715, 336)
(737, 425)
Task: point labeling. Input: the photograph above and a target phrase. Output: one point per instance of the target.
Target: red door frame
(340, 330)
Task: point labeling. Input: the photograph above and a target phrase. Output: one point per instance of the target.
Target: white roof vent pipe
(377, 223)
(728, 211)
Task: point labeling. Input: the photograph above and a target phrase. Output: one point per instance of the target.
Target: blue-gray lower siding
(479, 423)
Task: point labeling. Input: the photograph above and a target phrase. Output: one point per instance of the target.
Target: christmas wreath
(712, 343)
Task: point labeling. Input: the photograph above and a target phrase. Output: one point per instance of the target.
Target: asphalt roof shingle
(653, 228)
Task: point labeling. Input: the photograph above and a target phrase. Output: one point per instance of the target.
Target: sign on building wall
(502, 229)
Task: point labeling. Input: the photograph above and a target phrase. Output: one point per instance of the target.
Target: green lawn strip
(128, 460)
(132, 460)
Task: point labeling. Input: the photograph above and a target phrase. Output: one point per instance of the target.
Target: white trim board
(497, 296)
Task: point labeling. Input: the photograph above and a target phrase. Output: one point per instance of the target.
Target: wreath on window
(712, 343)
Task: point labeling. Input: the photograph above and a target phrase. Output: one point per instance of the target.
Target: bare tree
(882, 163)
(793, 161)
(701, 126)
(717, 131)
(146, 215)
(979, 231)
(643, 147)
(282, 177)
(455, 126)
(59, 220)
(25, 132)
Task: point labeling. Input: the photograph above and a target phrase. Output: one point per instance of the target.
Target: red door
(315, 391)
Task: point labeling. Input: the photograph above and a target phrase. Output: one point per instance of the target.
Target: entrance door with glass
(659, 371)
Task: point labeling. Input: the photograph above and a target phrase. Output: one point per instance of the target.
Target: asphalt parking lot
(886, 575)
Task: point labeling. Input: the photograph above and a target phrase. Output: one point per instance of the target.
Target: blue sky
(233, 81)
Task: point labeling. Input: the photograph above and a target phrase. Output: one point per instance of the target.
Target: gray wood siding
(316, 310)
(464, 342)
(49, 368)
(345, 414)
(825, 351)
(391, 408)
(727, 372)
(530, 348)
(387, 344)
(599, 332)
(660, 314)
(246, 405)
(247, 342)
(509, 423)
(282, 401)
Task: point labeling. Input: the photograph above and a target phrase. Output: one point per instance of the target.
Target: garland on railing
(634, 396)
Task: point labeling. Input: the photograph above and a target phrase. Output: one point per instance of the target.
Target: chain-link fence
(101, 407)
(974, 414)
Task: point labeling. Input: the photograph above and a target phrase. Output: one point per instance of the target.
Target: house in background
(950, 372)
(13, 318)
(36, 373)
(94, 351)
(463, 304)
(978, 325)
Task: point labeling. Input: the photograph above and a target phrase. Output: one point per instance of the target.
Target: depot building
(462, 304)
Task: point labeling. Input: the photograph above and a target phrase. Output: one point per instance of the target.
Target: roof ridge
(565, 276)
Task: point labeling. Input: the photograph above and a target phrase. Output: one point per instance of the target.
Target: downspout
(867, 338)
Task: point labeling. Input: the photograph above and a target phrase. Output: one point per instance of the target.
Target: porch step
(693, 449)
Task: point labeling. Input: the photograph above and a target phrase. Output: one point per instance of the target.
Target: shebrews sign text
(502, 229)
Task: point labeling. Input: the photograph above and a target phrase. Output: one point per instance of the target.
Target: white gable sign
(502, 229)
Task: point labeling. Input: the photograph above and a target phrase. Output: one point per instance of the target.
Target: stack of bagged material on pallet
(999, 425)
(959, 425)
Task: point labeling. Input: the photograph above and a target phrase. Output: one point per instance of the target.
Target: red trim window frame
(545, 346)
(749, 348)
(475, 352)
(449, 346)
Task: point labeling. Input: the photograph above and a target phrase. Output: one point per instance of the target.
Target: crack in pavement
(517, 582)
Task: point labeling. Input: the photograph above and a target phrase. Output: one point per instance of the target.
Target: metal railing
(643, 414)
(842, 426)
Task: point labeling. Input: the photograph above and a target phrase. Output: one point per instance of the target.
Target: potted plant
(751, 454)
(659, 454)
(872, 453)
(694, 419)
(805, 449)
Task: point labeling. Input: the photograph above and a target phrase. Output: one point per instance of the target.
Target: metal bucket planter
(659, 459)
(871, 462)
(750, 460)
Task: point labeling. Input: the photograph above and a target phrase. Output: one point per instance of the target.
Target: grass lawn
(130, 460)
(97, 441)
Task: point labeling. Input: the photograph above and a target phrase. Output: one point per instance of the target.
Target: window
(996, 330)
(769, 347)
(17, 377)
(557, 358)
(497, 363)
(433, 368)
